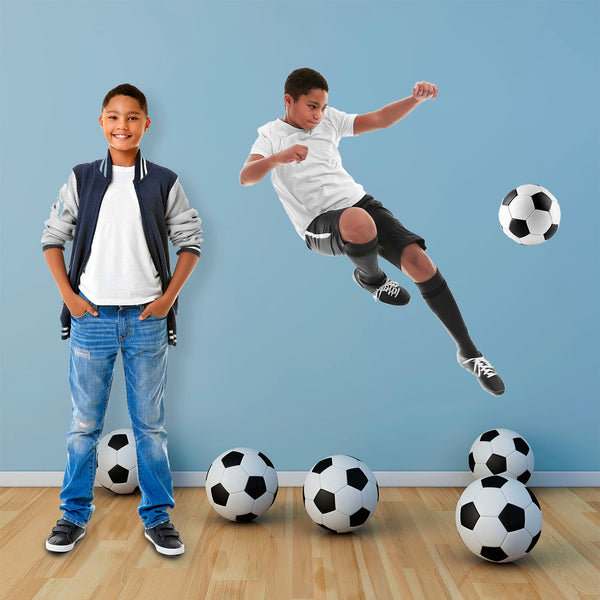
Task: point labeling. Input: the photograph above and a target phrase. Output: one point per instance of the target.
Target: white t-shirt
(319, 183)
(120, 270)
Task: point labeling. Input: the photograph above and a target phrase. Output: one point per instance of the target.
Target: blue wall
(278, 347)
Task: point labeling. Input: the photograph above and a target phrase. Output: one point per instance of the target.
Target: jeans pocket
(80, 317)
(152, 317)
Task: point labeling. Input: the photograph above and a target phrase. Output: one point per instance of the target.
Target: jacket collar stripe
(141, 167)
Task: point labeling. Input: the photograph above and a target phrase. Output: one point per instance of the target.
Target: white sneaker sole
(165, 551)
(63, 548)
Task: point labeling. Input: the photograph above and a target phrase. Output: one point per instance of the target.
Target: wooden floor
(409, 549)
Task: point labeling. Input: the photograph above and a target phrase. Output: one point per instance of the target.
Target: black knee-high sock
(364, 256)
(439, 298)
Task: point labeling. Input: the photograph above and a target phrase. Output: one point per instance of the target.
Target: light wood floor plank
(410, 549)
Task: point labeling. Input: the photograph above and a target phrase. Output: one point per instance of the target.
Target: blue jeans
(95, 342)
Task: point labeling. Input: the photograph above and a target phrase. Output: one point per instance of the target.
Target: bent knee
(357, 226)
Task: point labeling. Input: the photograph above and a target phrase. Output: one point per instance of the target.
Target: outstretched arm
(392, 113)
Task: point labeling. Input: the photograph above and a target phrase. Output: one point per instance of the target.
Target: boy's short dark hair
(301, 81)
(126, 89)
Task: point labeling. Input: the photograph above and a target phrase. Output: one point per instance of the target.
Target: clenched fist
(423, 91)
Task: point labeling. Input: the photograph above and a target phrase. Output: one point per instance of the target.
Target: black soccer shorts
(323, 234)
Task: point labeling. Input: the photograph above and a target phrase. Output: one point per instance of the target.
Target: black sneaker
(489, 380)
(165, 539)
(64, 536)
(388, 292)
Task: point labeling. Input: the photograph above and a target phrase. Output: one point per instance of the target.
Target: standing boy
(334, 216)
(119, 294)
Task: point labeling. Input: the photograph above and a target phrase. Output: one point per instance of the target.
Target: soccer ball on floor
(498, 518)
(501, 452)
(241, 484)
(117, 462)
(340, 493)
(529, 215)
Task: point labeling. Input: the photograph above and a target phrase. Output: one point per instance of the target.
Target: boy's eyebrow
(131, 112)
(317, 103)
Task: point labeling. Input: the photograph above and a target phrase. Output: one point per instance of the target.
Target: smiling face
(307, 111)
(124, 122)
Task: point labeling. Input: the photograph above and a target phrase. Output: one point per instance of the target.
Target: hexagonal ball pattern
(340, 493)
(117, 462)
(521, 207)
(538, 222)
(241, 484)
(501, 452)
(498, 518)
(529, 215)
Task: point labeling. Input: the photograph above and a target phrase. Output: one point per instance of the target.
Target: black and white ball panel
(117, 462)
(501, 452)
(241, 484)
(529, 214)
(340, 493)
(499, 518)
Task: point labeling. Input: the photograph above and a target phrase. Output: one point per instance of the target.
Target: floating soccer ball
(529, 215)
(241, 484)
(501, 452)
(117, 462)
(340, 493)
(498, 518)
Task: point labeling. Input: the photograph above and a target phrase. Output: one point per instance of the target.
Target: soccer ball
(117, 462)
(498, 518)
(529, 215)
(340, 493)
(241, 484)
(501, 452)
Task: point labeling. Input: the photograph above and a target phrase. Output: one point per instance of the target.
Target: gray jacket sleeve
(183, 223)
(63, 216)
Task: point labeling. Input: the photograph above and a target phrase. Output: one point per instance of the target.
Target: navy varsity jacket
(165, 214)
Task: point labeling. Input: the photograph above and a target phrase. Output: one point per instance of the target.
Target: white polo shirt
(319, 183)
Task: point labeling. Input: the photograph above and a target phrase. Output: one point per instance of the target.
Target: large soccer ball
(501, 452)
(117, 462)
(498, 518)
(241, 484)
(340, 493)
(529, 215)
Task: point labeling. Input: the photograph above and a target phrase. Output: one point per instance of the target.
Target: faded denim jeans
(95, 342)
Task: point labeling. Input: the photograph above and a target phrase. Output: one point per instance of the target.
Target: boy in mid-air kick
(334, 216)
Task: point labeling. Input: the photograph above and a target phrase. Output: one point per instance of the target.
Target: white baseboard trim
(296, 478)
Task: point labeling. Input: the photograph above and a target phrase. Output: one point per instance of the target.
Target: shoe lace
(391, 288)
(482, 367)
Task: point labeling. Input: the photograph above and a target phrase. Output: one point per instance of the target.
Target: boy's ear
(147, 124)
(288, 100)
(100, 120)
